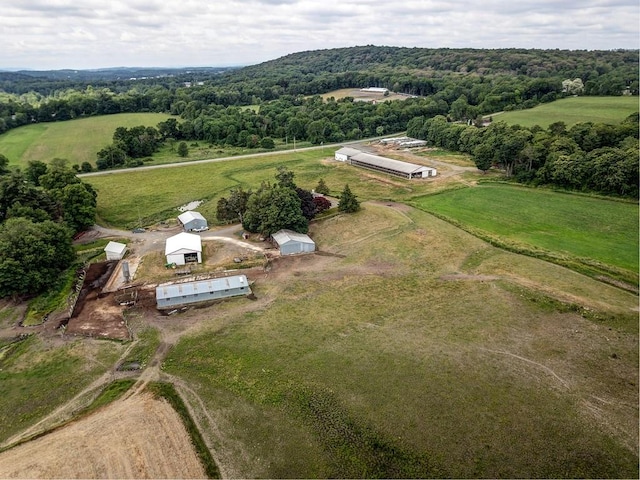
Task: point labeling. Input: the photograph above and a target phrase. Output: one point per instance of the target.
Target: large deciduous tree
(78, 202)
(232, 209)
(273, 208)
(32, 255)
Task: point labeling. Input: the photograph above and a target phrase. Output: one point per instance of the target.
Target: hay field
(75, 140)
(573, 110)
(418, 351)
(139, 437)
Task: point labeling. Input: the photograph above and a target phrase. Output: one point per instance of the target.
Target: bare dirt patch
(140, 437)
(97, 315)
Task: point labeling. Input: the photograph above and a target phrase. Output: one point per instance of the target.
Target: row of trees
(281, 205)
(40, 210)
(599, 158)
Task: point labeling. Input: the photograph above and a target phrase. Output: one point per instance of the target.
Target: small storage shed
(193, 221)
(177, 294)
(183, 248)
(290, 242)
(115, 250)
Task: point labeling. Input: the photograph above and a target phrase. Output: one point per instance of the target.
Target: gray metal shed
(193, 221)
(177, 294)
(290, 242)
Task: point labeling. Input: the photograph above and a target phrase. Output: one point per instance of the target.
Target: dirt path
(71, 407)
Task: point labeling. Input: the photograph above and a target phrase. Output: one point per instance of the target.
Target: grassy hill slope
(76, 140)
(573, 110)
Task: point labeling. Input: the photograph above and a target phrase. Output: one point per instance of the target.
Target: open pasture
(75, 140)
(361, 96)
(585, 227)
(573, 110)
(37, 376)
(398, 359)
(153, 195)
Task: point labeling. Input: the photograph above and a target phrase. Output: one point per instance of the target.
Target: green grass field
(573, 110)
(76, 140)
(583, 227)
(418, 350)
(38, 376)
(586, 227)
(377, 365)
(154, 195)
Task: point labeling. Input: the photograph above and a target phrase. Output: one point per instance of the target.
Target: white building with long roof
(383, 164)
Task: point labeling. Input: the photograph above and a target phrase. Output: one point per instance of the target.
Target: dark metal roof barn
(178, 294)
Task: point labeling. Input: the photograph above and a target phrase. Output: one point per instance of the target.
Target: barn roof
(348, 151)
(190, 215)
(204, 286)
(285, 236)
(183, 241)
(115, 247)
(388, 163)
(382, 162)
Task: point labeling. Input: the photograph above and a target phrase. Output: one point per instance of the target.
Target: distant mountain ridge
(111, 73)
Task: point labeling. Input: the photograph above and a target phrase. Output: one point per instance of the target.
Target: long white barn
(383, 164)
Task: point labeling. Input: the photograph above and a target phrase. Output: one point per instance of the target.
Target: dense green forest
(589, 157)
(40, 210)
(486, 80)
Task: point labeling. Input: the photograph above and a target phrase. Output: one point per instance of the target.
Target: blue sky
(80, 34)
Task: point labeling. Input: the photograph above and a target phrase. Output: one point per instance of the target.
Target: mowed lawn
(573, 110)
(586, 227)
(75, 140)
(379, 364)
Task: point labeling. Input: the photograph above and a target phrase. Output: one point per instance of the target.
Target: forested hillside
(489, 80)
(461, 86)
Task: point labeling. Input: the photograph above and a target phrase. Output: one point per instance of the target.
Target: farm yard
(410, 345)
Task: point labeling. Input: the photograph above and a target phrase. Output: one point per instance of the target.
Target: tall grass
(37, 377)
(374, 365)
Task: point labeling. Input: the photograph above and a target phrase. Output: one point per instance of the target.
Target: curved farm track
(137, 436)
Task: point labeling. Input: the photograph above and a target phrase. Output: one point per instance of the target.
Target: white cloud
(90, 34)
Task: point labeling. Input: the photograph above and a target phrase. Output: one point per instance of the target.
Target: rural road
(224, 159)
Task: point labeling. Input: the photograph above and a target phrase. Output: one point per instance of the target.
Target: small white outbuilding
(183, 248)
(115, 250)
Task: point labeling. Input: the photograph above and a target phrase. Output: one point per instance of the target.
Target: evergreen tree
(183, 149)
(322, 187)
(348, 201)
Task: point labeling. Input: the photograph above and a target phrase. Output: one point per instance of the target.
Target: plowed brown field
(139, 437)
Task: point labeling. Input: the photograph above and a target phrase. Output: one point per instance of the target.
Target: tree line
(590, 157)
(41, 209)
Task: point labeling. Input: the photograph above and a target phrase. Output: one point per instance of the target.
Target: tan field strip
(140, 437)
